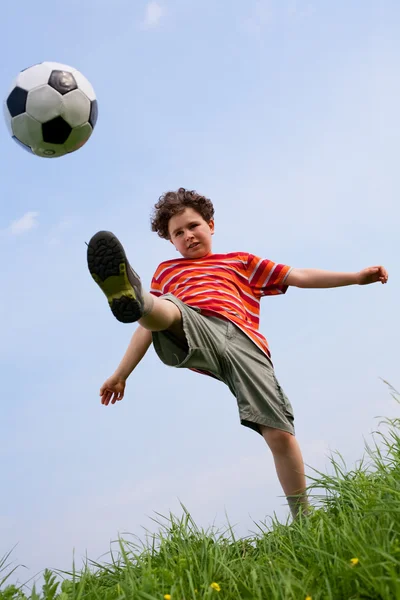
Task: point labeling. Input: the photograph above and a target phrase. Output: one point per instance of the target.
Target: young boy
(202, 313)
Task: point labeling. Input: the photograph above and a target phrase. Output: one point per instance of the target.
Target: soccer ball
(51, 109)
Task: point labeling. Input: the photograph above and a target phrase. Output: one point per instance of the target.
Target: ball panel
(84, 85)
(44, 103)
(56, 131)
(75, 108)
(94, 113)
(79, 136)
(27, 130)
(16, 101)
(34, 77)
(49, 150)
(62, 81)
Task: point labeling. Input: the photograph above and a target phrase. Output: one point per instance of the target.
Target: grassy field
(349, 548)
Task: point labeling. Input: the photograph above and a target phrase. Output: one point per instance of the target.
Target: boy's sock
(297, 505)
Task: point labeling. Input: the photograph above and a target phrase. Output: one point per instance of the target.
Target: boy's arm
(316, 278)
(138, 346)
(113, 388)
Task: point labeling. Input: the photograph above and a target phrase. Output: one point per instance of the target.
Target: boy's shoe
(111, 270)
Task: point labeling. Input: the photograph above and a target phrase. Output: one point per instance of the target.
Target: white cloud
(27, 222)
(154, 12)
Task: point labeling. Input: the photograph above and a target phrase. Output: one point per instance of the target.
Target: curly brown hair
(174, 203)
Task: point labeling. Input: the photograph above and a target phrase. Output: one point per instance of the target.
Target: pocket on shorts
(205, 341)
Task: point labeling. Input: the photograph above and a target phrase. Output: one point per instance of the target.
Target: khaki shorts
(220, 348)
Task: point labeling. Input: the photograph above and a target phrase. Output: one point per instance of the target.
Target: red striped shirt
(226, 285)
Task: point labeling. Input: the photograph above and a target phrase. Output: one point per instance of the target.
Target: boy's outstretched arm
(315, 278)
(113, 388)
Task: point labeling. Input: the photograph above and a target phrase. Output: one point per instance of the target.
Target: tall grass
(348, 548)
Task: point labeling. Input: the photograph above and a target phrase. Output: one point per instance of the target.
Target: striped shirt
(226, 285)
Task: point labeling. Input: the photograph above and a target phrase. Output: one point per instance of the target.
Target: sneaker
(112, 272)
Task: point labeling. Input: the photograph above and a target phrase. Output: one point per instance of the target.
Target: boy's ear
(211, 225)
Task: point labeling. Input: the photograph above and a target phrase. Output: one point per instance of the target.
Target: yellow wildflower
(308, 598)
(354, 561)
(215, 587)
(167, 597)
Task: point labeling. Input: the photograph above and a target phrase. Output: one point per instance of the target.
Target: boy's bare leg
(163, 315)
(289, 467)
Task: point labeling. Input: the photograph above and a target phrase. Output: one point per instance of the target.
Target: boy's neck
(198, 257)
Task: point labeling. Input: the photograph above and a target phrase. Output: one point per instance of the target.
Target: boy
(202, 313)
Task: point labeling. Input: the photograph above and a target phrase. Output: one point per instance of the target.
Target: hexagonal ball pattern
(79, 136)
(56, 131)
(84, 85)
(16, 101)
(27, 130)
(44, 103)
(53, 111)
(75, 108)
(34, 76)
(62, 81)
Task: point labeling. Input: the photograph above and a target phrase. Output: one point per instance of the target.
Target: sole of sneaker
(111, 271)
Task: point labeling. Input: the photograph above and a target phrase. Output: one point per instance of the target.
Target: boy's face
(191, 234)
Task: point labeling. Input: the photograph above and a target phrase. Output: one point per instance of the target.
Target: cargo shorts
(218, 347)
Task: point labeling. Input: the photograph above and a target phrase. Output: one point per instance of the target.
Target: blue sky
(286, 115)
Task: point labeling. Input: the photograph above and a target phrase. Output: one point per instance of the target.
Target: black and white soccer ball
(51, 109)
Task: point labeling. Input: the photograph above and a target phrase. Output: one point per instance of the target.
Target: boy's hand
(372, 275)
(112, 389)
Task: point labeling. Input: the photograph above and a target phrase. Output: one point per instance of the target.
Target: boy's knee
(277, 439)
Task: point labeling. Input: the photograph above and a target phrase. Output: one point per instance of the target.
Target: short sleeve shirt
(226, 285)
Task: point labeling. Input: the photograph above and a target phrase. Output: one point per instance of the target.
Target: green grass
(348, 548)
